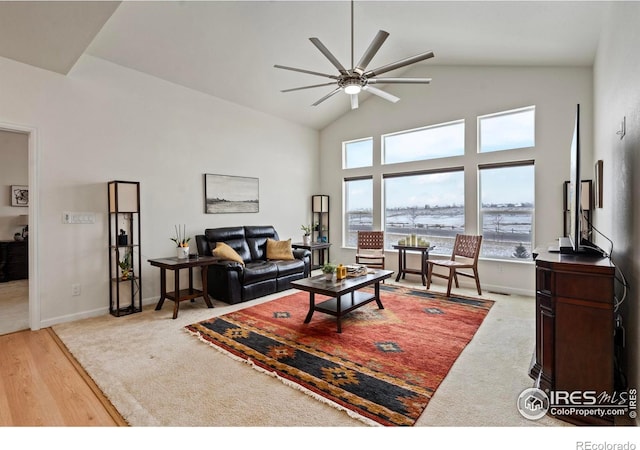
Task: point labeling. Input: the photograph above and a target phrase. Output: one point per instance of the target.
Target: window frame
(345, 144)
(502, 114)
(504, 165)
(383, 138)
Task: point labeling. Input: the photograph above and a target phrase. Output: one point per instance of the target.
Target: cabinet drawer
(584, 287)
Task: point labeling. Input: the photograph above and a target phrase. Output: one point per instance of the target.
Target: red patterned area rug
(382, 369)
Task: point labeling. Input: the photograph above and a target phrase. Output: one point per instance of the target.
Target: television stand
(574, 327)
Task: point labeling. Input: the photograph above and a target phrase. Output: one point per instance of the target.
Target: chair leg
(475, 274)
(429, 270)
(452, 273)
(455, 277)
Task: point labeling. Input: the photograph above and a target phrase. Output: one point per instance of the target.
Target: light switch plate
(78, 217)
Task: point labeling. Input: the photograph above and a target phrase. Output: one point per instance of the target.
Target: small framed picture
(19, 195)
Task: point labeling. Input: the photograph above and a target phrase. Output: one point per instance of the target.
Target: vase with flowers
(306, 237)
(182, 241)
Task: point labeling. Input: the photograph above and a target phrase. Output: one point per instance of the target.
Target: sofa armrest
(229, 265)
(301, 253)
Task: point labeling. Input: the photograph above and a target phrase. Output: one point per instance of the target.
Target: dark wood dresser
(14, 260)
(574, 326)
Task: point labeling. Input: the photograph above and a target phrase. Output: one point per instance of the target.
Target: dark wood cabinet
(14, 260)
(574, 327)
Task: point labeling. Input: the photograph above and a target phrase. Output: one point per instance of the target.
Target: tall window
(430, 205)
(437, 141)
(506, 210)
(358, 208)
(507, 130)
(357, 153)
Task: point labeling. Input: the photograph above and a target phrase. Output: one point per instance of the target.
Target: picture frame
(598, 188)
(19, 195)
(231, 194)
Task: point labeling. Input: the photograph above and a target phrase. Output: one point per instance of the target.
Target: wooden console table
(179, 295)
(574, 327)
(402, 261)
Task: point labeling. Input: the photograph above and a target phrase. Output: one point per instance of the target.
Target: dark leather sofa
(231, 282)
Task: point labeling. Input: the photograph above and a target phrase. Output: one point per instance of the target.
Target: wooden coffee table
(345, 294)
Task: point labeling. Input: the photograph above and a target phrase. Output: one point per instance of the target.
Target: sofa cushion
(289, 267)
(256, 238)
(224, 251)
(279, 249)
(255, 271)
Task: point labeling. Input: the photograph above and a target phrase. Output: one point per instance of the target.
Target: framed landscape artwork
(230, 194)
(19, 195)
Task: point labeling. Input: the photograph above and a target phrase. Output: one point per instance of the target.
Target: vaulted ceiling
(228, 48)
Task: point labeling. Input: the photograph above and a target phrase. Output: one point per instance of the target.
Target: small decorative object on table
(329, 269)
(356, 270)
(182, 241)
(341, 272)
(306, 238)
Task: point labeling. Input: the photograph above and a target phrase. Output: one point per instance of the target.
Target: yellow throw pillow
(223, 251)
(279, 249)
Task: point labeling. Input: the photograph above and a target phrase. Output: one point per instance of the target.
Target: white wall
(617, 95)
(465, 93)
(13, 171)
(103, 122)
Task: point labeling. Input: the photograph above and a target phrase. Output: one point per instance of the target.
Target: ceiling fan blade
(335, 91)
(325, 51)
(308, 87)
(368, 55)
(383, 94)
(398, 64)
(400, 80)
(354, 101)
(278, 66)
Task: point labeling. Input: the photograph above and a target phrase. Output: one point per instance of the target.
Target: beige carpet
(14, 306)
(156, 374)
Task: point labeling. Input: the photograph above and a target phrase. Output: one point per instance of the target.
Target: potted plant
(182, 242)
(125, 266)
(329, 269)
(306, 238)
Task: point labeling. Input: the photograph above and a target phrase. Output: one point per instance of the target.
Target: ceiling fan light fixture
(352, 89)
(358, 78)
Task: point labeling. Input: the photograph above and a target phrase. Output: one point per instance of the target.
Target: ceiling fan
(354, 80)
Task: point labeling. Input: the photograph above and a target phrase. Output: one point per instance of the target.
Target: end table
(180, 295)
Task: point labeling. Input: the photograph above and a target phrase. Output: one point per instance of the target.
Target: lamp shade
(320, 203)
(124, 195)
(23, 220)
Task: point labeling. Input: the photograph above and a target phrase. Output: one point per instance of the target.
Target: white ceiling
(228, 48)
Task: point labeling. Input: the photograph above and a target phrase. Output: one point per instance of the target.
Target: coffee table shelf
(348, 302)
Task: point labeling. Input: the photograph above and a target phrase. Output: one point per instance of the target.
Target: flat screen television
(575, 213)
(577, 241)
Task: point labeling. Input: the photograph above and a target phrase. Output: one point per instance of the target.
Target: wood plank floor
(41, 384)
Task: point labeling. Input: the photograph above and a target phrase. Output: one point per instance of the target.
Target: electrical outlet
(75, 289)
